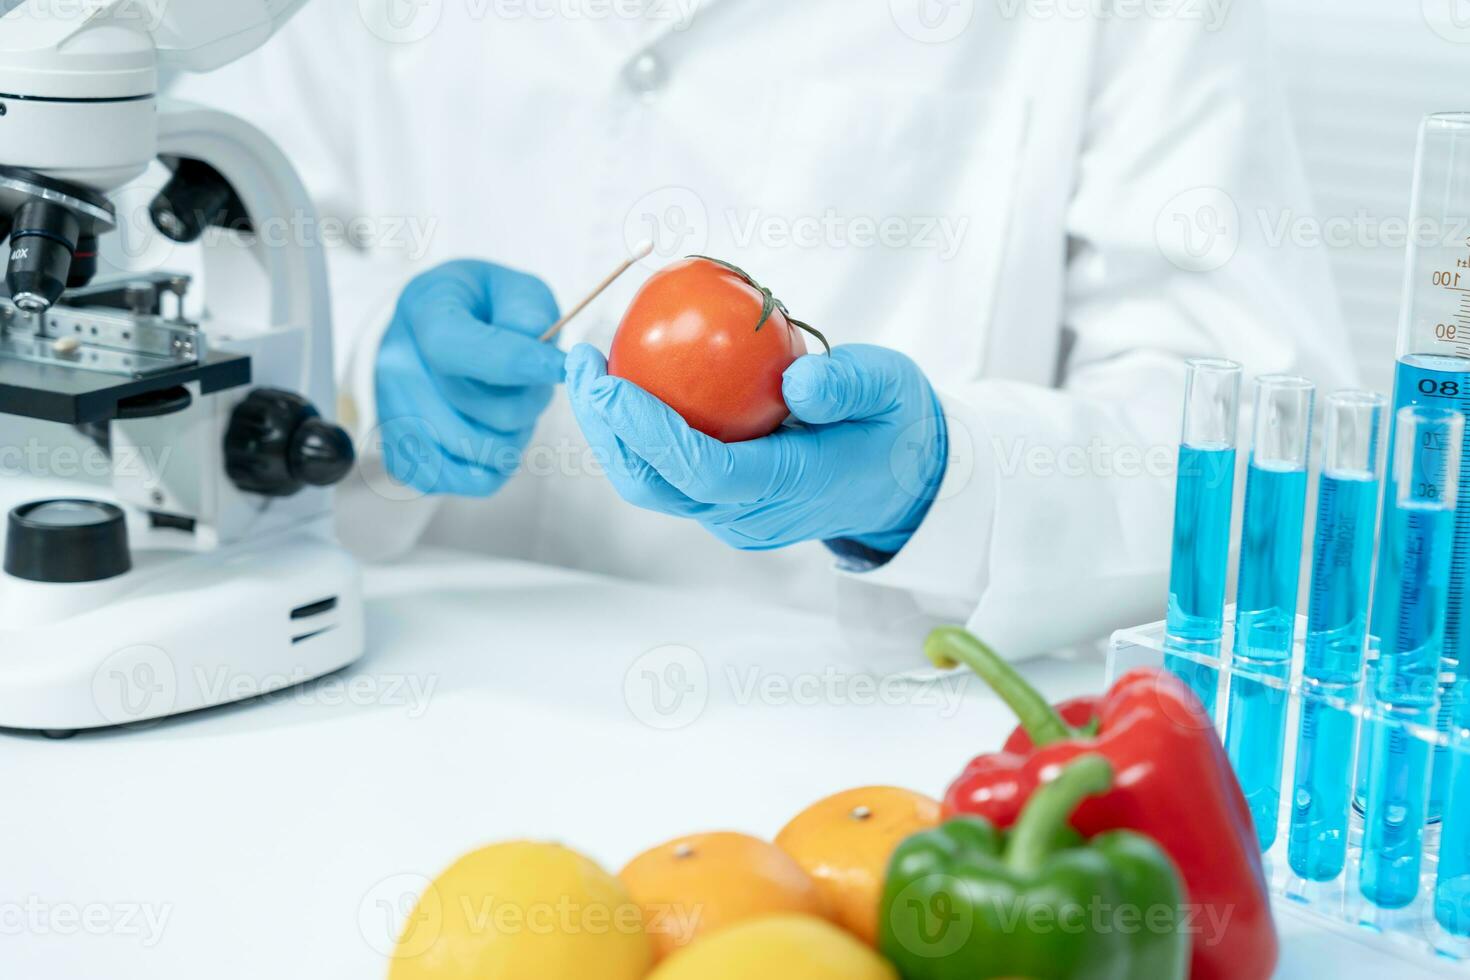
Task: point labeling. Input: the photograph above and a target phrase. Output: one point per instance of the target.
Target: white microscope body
(207, 571)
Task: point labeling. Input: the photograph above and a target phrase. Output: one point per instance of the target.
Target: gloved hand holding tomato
(861, 459)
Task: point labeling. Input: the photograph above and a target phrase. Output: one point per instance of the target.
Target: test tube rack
(1412, 934)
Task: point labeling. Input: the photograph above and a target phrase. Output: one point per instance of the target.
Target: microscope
(198, 565)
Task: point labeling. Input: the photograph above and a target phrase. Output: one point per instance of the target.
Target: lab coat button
(646, 74)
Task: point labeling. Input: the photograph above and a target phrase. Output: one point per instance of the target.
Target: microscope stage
(74, 396)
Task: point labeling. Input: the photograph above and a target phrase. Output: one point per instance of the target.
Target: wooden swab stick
(640, 253)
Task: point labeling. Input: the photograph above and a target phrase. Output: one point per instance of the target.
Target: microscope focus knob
(278, 443)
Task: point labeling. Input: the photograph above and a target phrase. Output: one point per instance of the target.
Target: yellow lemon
(523, 911)
(791, 947)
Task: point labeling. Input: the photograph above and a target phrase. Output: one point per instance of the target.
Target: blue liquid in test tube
(1337, 627)
(1452, 886)
(1413, 590)
(1265, 610)
(1205, 493)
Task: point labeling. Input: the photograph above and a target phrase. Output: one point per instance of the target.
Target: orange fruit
(845, 843)
(694, 886)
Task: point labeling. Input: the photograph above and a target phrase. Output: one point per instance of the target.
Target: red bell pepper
(1174, 783)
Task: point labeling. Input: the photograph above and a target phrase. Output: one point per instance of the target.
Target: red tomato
(694, 339)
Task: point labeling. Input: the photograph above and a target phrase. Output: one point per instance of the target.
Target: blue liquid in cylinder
(1201, 557)
(1438, 382)
(1337, 624)
(1405, 690)
(1265, 623)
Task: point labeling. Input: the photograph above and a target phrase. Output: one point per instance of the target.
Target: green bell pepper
(965, 901)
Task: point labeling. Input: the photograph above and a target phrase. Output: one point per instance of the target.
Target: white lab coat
(1021, 198)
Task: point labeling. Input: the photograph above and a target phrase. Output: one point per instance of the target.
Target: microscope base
(180, 632)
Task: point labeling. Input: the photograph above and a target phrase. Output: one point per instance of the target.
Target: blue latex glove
(461, 378)
(862, 463)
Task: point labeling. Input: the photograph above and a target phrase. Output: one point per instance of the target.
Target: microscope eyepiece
(43, 240)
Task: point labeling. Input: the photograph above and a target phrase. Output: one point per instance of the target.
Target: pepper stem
(1050, 809)
(951, 646)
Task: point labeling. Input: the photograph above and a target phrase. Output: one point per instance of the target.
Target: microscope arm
(108, 41)
(79, 119)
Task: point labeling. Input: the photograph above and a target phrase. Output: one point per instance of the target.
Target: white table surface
(497, 700)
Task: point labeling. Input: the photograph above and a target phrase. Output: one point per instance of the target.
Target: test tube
(1265, 611)
(1412, 594)
(1337, 627)
(1204, 496)
(1452, 885)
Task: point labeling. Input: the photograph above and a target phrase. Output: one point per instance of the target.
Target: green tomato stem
(769, 303)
